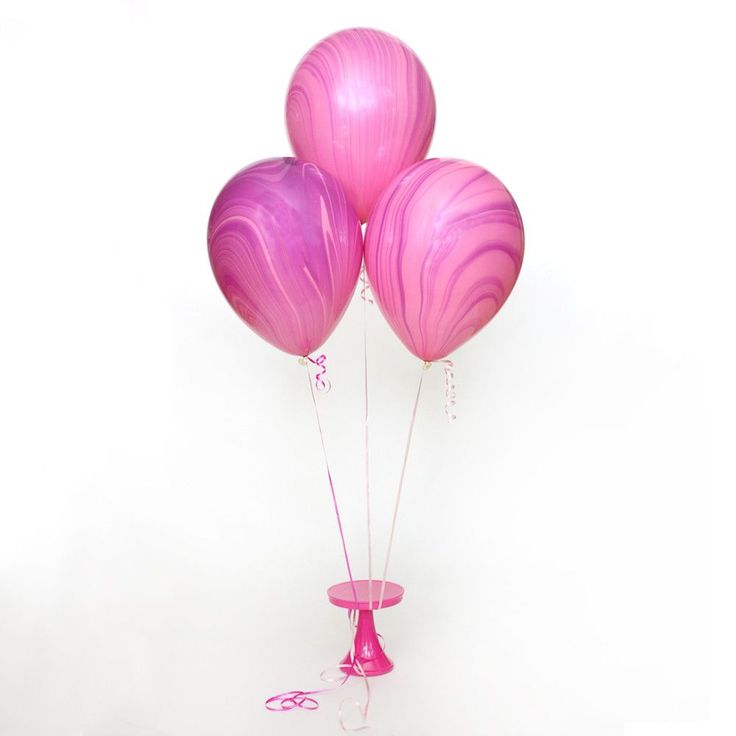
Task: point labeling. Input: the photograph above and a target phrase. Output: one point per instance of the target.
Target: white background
(165, 529)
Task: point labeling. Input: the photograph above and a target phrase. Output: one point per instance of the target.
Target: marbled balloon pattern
(361, 106)
(285, 247)
(443, 250)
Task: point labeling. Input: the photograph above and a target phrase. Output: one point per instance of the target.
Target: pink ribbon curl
(365, 287)
(293, 699)
(450, 395)
(305, 700)
(321, 383)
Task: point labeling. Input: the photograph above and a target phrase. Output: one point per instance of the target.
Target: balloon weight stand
(367, 655)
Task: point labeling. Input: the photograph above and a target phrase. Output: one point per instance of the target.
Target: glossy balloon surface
(361, 106)
(285, 246)
(443, 250)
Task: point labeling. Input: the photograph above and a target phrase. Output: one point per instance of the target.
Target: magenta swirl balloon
(285, 247)
(443, 250)
(361, 106)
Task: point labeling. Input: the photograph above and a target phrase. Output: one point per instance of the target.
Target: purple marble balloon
(443, 250)
(361, 106)
(285, 247)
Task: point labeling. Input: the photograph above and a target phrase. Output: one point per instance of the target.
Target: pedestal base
(367, 655)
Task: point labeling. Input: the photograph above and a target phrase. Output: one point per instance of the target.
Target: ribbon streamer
(306, 700)
(321, 383)
(366, 444)
(365, 287)
(335, 505)
(450, 395)
(425, 366)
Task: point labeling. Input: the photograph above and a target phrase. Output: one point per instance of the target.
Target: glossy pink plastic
(367, 649)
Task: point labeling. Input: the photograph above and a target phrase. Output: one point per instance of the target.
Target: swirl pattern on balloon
(285, 247)
(443, 250)
(361, 106)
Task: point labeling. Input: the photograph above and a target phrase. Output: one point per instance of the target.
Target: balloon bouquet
(443, 247)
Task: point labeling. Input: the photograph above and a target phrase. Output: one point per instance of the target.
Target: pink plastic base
(369, 654)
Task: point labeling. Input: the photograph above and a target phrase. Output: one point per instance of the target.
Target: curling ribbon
(449, 369)
(306, 700)
(365, 287)
(321, 383)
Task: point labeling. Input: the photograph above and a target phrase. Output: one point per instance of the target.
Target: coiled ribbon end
(450, 396)
(321, 382)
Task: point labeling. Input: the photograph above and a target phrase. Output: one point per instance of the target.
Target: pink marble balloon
(285, 247)
(443, 250)
(361, 106)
